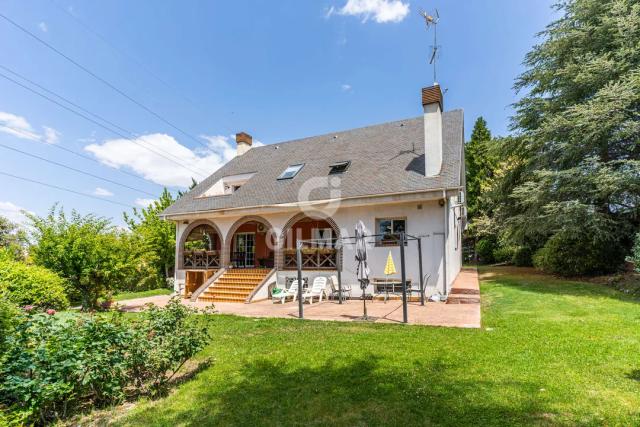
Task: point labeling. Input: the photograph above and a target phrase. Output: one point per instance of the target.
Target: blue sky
(277, 70)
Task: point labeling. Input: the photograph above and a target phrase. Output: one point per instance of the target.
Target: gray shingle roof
(385, 158)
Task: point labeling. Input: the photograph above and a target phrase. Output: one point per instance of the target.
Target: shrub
(55, 366)
(8, 320)
(32, 285)
(485, 248)
(635, 253)
(522, 257)
(164, 339)
(503, 254)
(571, 254)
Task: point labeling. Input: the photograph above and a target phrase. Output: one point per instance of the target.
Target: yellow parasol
(390, 268)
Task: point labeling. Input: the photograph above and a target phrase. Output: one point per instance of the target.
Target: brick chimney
(432, 104)
(244, 141)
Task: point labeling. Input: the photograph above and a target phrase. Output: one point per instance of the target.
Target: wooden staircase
(235, 285)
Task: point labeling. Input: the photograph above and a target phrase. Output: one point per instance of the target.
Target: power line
(135, 60)
(100, 124)
(102, 80)
(97, 116)
(76, 170)
(60, 147)
(68, 190)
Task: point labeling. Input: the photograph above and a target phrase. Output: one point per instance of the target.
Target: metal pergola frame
(402, 238)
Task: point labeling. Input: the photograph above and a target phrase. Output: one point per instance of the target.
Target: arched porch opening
(251, 243)
(200, 247)
(320, 252)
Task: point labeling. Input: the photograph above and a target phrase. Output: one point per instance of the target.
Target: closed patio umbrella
(362, 269)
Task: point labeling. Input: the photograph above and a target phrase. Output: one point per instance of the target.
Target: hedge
(25, 284)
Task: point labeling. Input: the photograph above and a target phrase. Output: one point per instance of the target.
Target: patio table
(390, 286)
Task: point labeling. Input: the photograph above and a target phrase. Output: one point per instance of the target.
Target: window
(322, 237)
(339, 167)
(389, 230)
(291, 171)
(227, 185)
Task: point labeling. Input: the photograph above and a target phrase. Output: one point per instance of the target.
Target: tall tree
(575, 194)
(156, 235)
(12, 238)
(480, 164)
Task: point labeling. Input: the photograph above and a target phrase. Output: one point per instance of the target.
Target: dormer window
(338, 168)
(227, 185)
(291, 171)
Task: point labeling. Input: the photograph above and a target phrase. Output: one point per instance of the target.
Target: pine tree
(479, 165)
(575, 194)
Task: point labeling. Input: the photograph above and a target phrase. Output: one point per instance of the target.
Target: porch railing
(312, 258)
(201, 259)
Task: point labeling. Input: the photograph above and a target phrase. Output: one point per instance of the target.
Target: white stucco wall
(426, 222)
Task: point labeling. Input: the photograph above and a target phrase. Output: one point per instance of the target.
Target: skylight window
(339, 167)
(291, 171)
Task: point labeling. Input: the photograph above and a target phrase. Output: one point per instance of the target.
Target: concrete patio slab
(432, 313)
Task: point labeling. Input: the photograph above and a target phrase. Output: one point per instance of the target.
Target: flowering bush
(54, 366)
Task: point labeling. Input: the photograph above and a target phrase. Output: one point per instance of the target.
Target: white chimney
(244, 141)
(432, 103)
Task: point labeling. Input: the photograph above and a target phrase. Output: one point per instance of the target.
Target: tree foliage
(575, 183)
(157, 236)
(88, 251)
(480, 163)
(12, 238)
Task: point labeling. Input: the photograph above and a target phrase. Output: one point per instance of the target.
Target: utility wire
(133, 59)
(102, 80)
(60, 147)
(202, 174)
(68, 101)
(76, 170)
(68, 190)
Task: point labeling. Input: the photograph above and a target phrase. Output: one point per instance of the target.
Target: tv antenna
(432, 20)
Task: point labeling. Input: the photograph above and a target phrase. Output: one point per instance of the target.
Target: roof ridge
(330, 134)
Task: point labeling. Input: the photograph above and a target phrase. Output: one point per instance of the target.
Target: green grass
(141, 294)
(550, 352)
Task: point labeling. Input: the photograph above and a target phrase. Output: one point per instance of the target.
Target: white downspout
(446, 238)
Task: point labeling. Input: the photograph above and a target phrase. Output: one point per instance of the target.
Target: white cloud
(13, 212)
(51, 136)
(329, 12)
(156, 167)
(345, 87)
(17, 126)
(144, 202)
(102, 192)
(20, 127)
(381, 11)
(220, 144)
(43, 27)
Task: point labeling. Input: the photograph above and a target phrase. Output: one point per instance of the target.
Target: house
(237, 230)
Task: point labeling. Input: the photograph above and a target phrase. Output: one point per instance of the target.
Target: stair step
(221, 299)
(225, 295)
(463, 299)
(231, 288)
(235, 285)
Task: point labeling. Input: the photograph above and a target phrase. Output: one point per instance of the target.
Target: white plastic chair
(335, 291)
(291, 292)
(317, 290)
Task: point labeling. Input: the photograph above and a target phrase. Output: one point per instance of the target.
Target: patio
(465, 315)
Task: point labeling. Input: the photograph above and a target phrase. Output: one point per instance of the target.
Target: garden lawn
(142, 294)
(550, 352)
